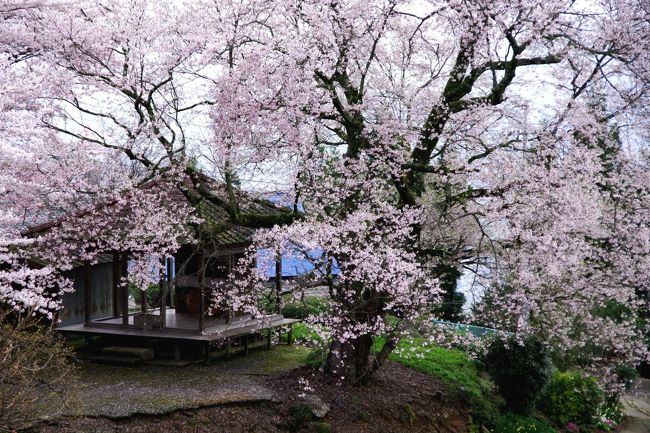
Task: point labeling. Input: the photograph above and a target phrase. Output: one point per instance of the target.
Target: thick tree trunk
(354, 360)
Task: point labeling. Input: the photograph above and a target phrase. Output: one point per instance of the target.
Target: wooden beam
(88, 297)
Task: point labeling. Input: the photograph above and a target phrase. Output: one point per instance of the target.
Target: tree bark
(352, 360)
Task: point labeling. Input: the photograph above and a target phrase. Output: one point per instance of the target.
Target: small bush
(299, 415)
(152, 295)
(35, 372)
(512, 423)
(519, 371)
(311, 305)
(571, 397)
(316, 358)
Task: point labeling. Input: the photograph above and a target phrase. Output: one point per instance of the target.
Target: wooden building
(182, 321)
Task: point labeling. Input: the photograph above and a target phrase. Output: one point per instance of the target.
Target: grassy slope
(452, 367)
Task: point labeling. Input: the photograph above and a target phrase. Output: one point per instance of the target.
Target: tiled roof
(216, 220)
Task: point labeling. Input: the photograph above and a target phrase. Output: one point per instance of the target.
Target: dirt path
(637, 408)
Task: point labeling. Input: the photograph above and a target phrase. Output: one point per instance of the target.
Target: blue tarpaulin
(292, 266)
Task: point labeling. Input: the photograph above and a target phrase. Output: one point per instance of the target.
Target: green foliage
(311, 305)
(152, 293)
(519, 371)
(451, 308)
(626, 374)
(303, 333)
(316, 358)
(512, 423)
(266, 302)
(572, 397)
(613, 310)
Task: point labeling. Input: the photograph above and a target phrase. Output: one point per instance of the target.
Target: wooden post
(278, 292)
(170, 281)
(88, 301)
(163, 300)
(290, 335)
(116, 284)
(201, 292)
(269, 339)
(230, 313)
(143, 301)
(124, 270)
(278, 283)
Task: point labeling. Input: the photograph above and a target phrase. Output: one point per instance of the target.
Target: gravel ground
(120, 392)
(398, 400)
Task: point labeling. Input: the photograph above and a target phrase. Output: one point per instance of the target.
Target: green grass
(510, 423)
(451, 366)
(303, 333)
(455, 370)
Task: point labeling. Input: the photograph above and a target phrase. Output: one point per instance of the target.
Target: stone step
(143, 353)
(125, 361)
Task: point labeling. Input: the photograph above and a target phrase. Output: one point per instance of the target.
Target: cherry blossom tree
(424, 138)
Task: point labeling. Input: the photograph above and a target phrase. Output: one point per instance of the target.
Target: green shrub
(316, 358)
(311, 305)
(152, 294)
(36, 375)
(512, 423)
(519, 371)
(626, 375)
(571, 397)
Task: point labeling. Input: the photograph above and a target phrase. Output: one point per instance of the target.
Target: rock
(317, 406)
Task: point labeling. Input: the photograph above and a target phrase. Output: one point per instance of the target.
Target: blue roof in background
(291, 266)
(283, 198)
